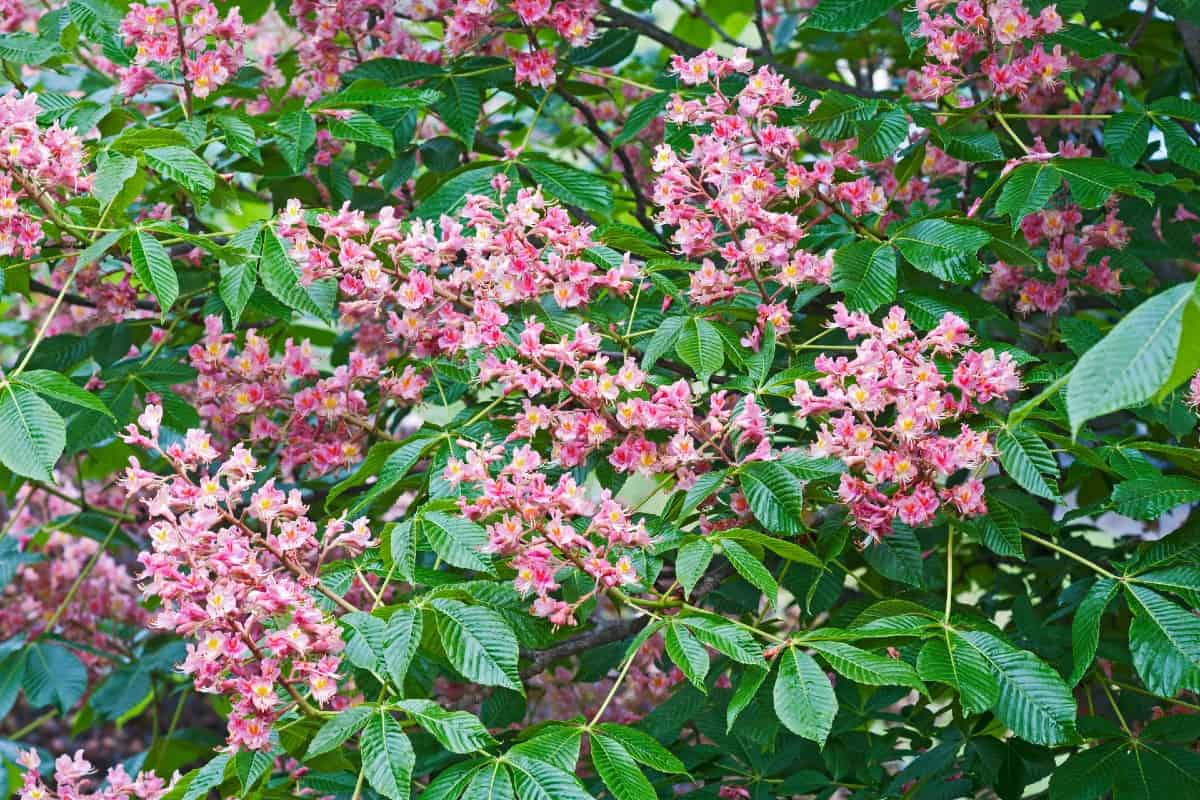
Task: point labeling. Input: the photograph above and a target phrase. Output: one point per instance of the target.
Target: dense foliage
(554, 399)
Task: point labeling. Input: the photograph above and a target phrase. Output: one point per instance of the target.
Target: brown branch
(611, 632)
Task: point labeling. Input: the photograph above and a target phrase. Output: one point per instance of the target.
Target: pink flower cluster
(72, 781)
(1003, 32)
(471, 22)
(1193, 395)
(337, 35)
(1068, 245)
(43, 166)
(318, 423)
(544, 526)
(237, 577)
(737, 199)
(103, 606)
(489, 257)
(884, 410)
(209, 48)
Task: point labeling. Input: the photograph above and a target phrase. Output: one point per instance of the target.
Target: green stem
(1092, 565)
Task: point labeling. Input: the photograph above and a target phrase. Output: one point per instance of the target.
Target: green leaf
(614, 46)
(780, 547)
(943, 249)
(617, 768)
(359, 127)
(281, 276)
(297, 133)
(743, 694)
(456, 540)
(250, 766)
(556, 745)
(387, 757)
(879, 137)
(1125, 137)
(865, 667)
(153, 267)
(53, 675)
(865, 272)
(239, 136)
(362, 94)
(458, 731)
(571, 185)
(181, 165)
(644, 748)
(236, 286)
(1085, 626)
(687, 653)
(804, 698)
(492, 782)
(1034, 701)
(1149, 498)
(208, 777)
(388, 474)
(775, 496)
(726, 638)
(691, 562)
(539, 780)
(998, 531)
(1087, 774)
(452, 192)
(951, 661)
(25, 48)
(1092, 181)
(112, 171)
(478, 643)
(340, 728)
(32, 434)
(700, 347)
(1028, 460)
(1026, 190)
(844, 16)
(641, 115)
(751, 569)
(459, 108)
(974, 146)
(1085, 42)
(401, 640)
(364, 648)
(63, 390)
(1136, 361)
(835, 115)
(1164, 639)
